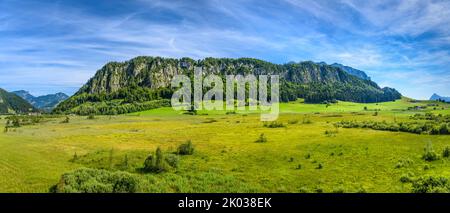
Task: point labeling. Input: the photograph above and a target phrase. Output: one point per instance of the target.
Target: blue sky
(51, 46)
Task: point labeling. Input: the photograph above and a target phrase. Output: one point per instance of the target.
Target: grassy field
(308, 154)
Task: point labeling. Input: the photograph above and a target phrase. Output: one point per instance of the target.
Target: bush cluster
(86, 180)
(431, 184)
(273, 124)
(430, 127)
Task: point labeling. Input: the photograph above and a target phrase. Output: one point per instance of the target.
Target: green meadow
(305, 153)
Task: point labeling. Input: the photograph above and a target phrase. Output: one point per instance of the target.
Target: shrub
(156, 163)
(403, 163)
(125, 162)
(262, 138)
(306, 121)
(74, 158)
(319, 166)
(308, 156)
(429, 153)
(96, 181)
(406, 178)
(273, 124)
(173, 160)
(446, 152)
(431, 184)
(186, 148)
(293, 121)
(339, 189)
(91, 117)
(210, 120)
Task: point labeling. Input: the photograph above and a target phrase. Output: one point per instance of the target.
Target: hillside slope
(144, 79)
(11, 103)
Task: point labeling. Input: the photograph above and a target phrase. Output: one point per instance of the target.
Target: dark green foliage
(431, 184)
(97, 181)
(156, 163)
(91, 117)
(16, 121)
(261, 139)
(429, 127)
(407, 178)
(273, 124)
(319, 166)
(431, 117)
(429, 153)
(295, 121)
(173, 160)
(446, 152)
(210, 120)
(186, 148)
(331, 132)
(403, 163)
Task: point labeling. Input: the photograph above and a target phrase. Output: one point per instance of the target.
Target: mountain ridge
(117, 83)
(436, 97)
(44, 102)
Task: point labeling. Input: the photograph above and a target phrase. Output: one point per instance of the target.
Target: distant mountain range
(122, 87)
(436, 97)
(349, 70)
(11, 103)
(44, 102)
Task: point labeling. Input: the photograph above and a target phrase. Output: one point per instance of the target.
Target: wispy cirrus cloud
(50, 46)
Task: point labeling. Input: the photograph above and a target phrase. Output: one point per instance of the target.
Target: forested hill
(120, 87)
(11, 103)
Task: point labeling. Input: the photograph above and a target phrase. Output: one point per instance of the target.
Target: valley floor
(308, 154)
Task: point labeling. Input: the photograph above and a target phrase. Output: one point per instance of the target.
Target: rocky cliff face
(352, 71)
(157, 72)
